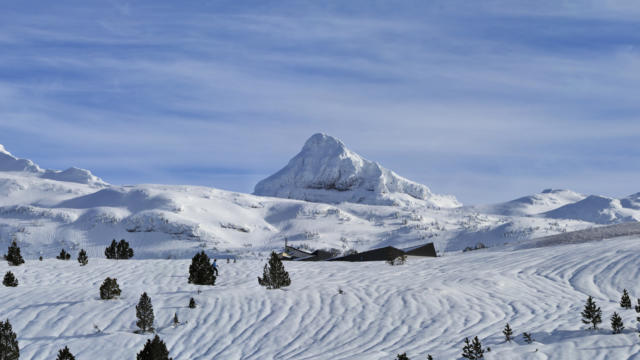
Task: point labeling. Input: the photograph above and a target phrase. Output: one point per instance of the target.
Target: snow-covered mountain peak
(325, 170)
(9, 162)
(3, 150)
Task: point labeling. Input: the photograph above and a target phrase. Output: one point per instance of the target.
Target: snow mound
(547, 200)
(631, 202)
(74, 174)
(326, 171)
(595, 209)
(8, 162)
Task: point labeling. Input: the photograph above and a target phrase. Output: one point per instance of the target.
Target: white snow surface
(547, 200)
(44, 215)
(427, 306)
(8, 162)
(326, 171)
(596, 209)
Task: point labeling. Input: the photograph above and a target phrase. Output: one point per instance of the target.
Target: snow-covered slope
(326, 171)
(8, 162)
(427, 306)
(160, 221)
(596, 209)
(547, 200)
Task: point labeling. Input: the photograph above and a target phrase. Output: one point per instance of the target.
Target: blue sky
(484, 100)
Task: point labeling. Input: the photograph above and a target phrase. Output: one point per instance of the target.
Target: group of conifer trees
(592, 315)
(200, 273)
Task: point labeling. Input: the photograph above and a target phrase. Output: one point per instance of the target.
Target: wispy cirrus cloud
(453, 94)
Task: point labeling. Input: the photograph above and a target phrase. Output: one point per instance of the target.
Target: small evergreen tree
(200, 270)
(9, 349)
(616, 323)
(176, 322)
(507, 333)
(65, 354)
(123, 251)
(638, 311)
(144, 312)
(118, 250)
(591, 314)
(467, 350)
(9, 280)
(154, 350)
(110, 251)
(527, 337)
(109, 289)
(274, 276)
(82, 257)
(625, 301)
(64, 255)
(13, 256)
(192, 303)
(402, 356)
(429, 357)
(477, 348)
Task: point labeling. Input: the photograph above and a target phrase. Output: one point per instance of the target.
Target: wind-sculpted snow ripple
(425, 306)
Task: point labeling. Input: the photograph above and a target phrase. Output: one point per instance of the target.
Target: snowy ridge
(596, 209)
(8, 162)
(547, 200)
(359, 205)
(326, 171)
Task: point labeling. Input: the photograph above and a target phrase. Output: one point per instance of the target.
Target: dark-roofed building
(422, 250)
(291, 253)
(318, 255)
(381, 254)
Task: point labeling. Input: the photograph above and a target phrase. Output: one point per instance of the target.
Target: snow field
(425, 306)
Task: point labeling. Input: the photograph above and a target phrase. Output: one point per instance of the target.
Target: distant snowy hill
(326, 171)
(547, 200)
(596, 209)
(354, 204)
(8, 162)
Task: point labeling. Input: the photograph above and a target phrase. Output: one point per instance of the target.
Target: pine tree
(527, 337)
(638, 311)
(591, 314)
(507, 333)
(9, 280)
(9, 349)
(65, 354)
(176, 322)
(616, 323)
(274, 275)
(429, 357)
(110, 251)
(109, 289)
(82, 257)
(144, 312)
(123, 251)
(13, 256)
(192, 303)
(154, 350)
(200, 270)
(477, 348)
(64, 255)
(402, 356)
(467, 350)
(625, 301)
